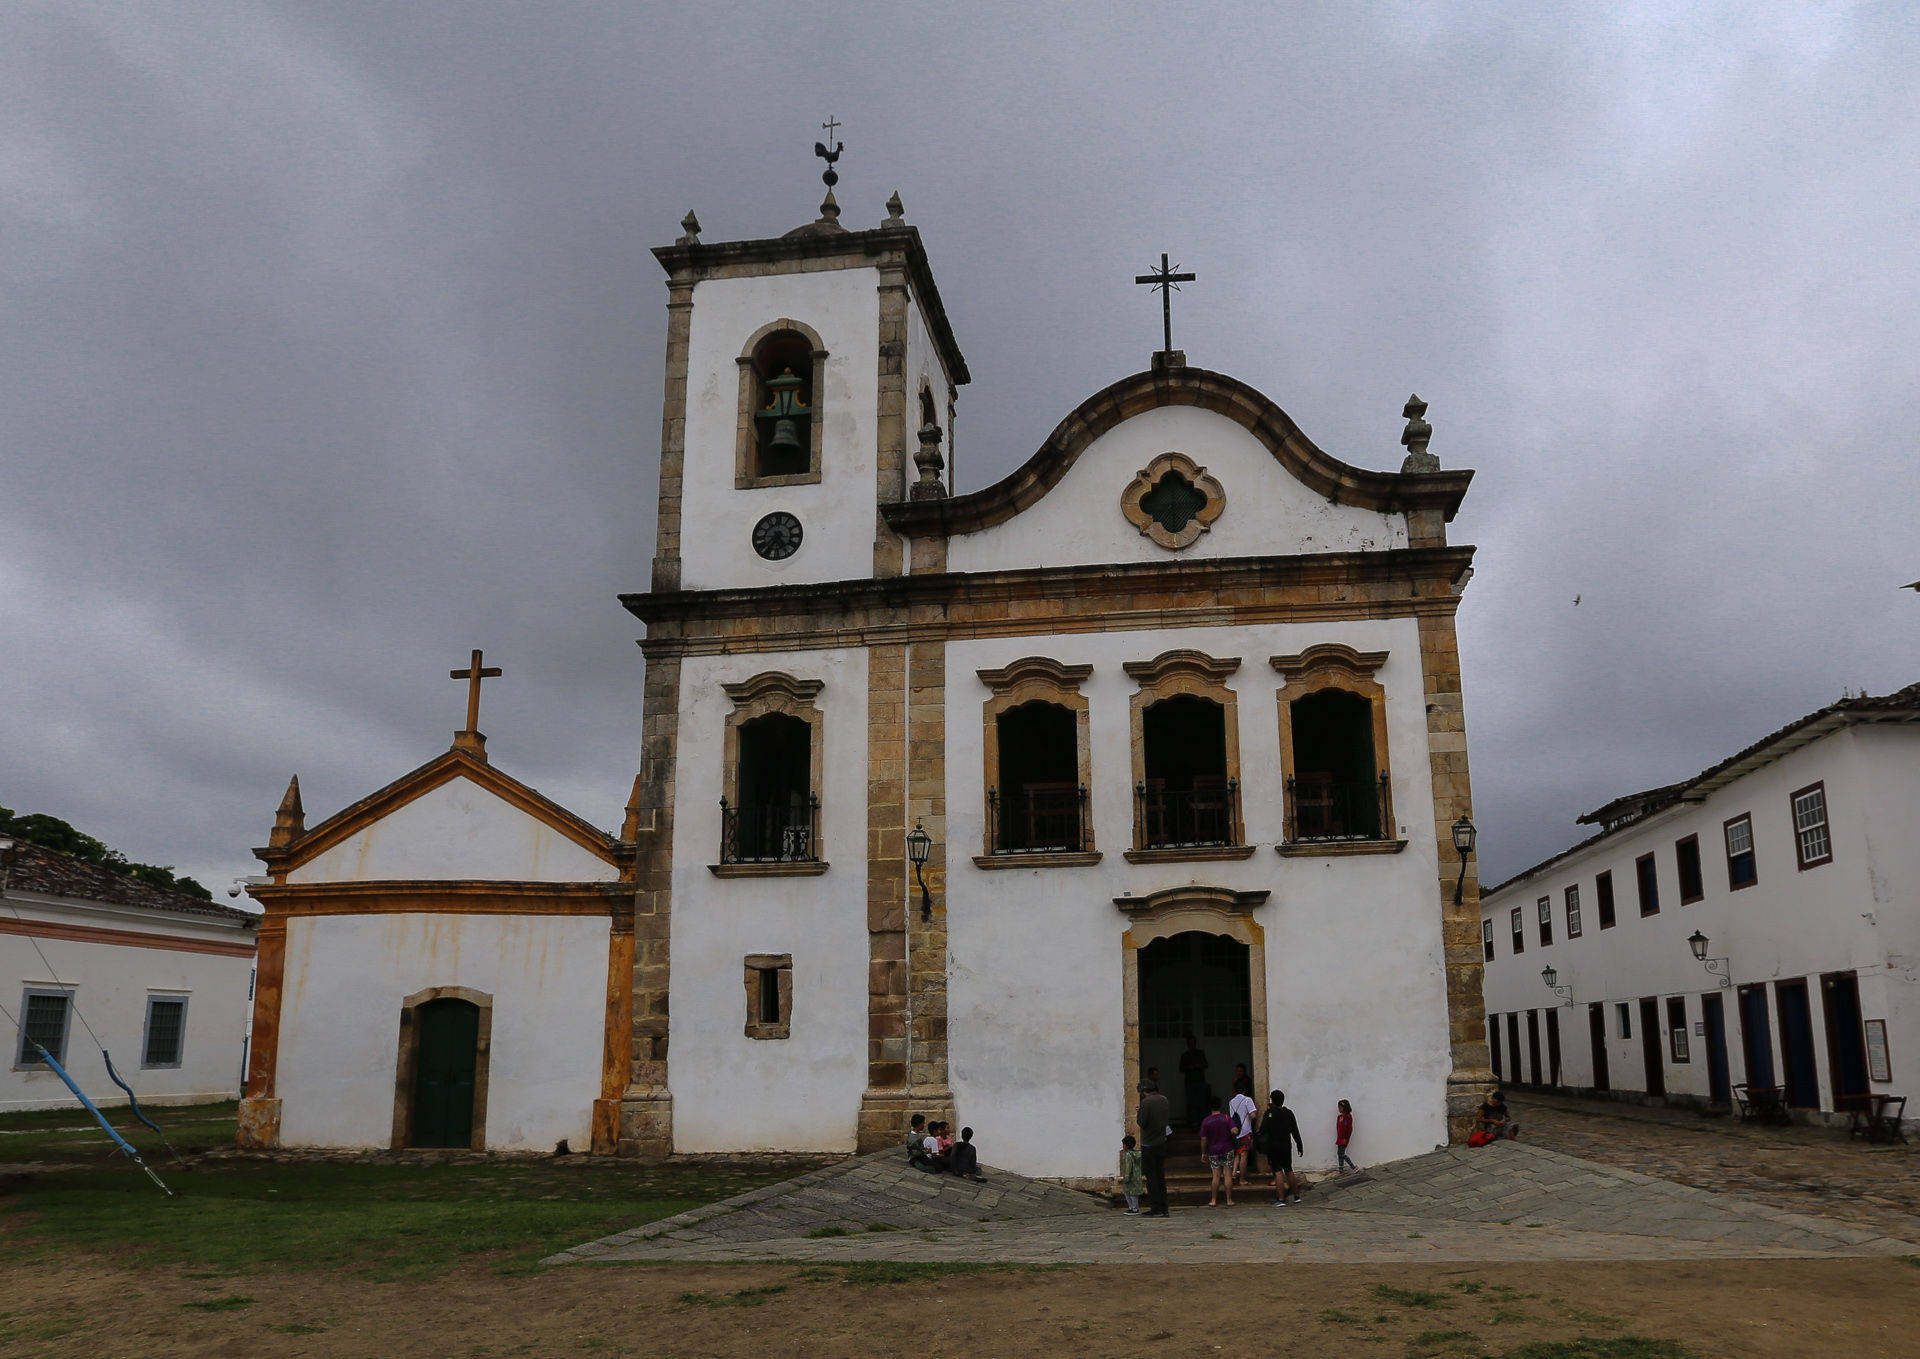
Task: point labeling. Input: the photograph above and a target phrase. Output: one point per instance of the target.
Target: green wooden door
(443, 1084)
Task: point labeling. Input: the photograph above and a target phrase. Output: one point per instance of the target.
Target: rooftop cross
(1168, 283)
(473, 674)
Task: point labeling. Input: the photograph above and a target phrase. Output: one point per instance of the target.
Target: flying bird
(1576, 601)
(1914, 586)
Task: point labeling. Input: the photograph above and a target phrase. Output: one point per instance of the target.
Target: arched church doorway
(446, 1061)
(1197, 985)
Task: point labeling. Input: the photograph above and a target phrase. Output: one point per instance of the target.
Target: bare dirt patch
(1774, 1308)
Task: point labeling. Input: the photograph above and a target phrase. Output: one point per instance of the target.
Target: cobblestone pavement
(1506, 1202)
(1798, 1170)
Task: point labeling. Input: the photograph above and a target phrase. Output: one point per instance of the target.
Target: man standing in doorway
(1193, 1076)
(1153, 1117)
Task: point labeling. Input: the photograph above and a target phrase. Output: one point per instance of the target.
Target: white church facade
(970, 805)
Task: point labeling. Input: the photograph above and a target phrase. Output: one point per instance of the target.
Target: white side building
(162, 978)
(1795, 864)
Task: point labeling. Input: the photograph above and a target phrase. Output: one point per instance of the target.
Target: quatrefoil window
(1173, 501)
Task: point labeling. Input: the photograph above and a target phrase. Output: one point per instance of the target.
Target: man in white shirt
(1243, 1111)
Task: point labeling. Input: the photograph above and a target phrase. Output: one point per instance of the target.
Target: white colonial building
(965, 805)
(1793, 867)
(163, 980)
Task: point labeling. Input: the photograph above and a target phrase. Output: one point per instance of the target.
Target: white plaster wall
(111, 984)
(458, 830)
(836, 513)
(1356, 989)
(346, 977)
(1268, 511)
(802, 1093)
(1791, 924)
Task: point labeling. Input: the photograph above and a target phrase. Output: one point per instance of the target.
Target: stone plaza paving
(1508, 1202)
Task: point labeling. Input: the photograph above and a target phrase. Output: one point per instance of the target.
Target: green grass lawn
(378, 1222)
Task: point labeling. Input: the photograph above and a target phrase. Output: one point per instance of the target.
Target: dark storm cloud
(333, 348)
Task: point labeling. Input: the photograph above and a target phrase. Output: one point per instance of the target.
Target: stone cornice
(468, 896)
(900, 246)
(1396, 492)
(1337, 655)
(774, 682)
(1035, 667)
(1182, 661)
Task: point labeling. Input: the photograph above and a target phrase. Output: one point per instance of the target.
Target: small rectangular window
(1544, 908)
(1573, 911)
(1677, 1026)
(166, 1031)
(1811, 834)
(1519, 930)
(43, 1024)
(1486, 938)
(1741, 869)
(769, 978)
(1603, 891)
(1648, 881)
(1686, 856)
(1623, 1013)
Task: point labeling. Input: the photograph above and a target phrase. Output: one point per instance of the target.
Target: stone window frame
(746, 445)
(1195, 476)
(27, 992)
(755, 965)
(406, 1068)
(1027, 680)
(1198, 675)
(164, 995)
(773, 691)
(1335, 665)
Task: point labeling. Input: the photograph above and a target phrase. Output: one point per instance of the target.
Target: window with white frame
(1544, 909)
(166, 1031)
(1519, 925)
(43, 1024)
(1486, 938)
(1573, 911)
(1811, 835)
(1741, 868)
(1677, 1027)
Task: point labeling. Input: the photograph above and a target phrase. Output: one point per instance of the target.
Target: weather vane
(1168, 282)
(832, 176)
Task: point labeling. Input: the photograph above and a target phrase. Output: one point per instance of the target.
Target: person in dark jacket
(1153, 1116)
(962, 1159)
(1280, 1137)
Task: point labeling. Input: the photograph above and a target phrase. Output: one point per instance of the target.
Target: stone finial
(931, 464)
(691, 225)
(829, 213)
(290, 822)
(896, 211)
(1415, 438)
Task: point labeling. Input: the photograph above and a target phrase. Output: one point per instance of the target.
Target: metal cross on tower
(473, 674)
(1168, 283)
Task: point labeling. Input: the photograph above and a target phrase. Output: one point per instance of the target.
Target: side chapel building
(970, 805)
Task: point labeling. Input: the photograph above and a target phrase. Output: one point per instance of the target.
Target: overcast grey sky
(333, 348)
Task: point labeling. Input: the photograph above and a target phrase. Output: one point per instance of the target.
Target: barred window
(1810, 829)
(166, 1031)
(43, 1024)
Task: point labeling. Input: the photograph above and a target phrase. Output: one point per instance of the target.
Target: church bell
(783, 409)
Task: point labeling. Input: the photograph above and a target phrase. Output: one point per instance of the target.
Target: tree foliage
(50, 832)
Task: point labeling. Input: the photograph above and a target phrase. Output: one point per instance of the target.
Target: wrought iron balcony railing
(1037, 818)
(1181, 818)
(1319, 809)
(783, 833)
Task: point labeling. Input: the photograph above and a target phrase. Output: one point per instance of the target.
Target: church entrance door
(449, 1038)
(1196, 984)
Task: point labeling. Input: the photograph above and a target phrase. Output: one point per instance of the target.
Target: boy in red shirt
(1343, 1134)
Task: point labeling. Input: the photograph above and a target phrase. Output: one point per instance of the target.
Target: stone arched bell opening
(1166, 914)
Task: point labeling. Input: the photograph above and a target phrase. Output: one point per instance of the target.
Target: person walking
(1153, 1116)
(1343, 1134)
(1216, 1143)
(1245, 1114)
(1133, 1179)
(1281, 1131)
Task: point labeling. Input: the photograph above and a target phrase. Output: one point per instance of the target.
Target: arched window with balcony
(1036, 749)
(1186, 759)
(770, 806)
(1333, 751)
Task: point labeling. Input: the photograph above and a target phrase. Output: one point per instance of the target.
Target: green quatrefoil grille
(1174, 502)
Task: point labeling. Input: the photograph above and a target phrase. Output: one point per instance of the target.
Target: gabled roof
(1901, 706)
(48, 872)
(1244, 405)
(443, 769)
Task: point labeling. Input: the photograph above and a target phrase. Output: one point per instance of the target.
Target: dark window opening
(783, 410)
(1742, 870)
(1486, 937)
(777, 813)
(1796, 1044)
(1174, 502)
(1038, 803)
(1603, 894)
(1493, 1044)
(1686, 856)
(1756, 1037)
(44, 1025)
(1186, 797)
(1519, 930)
(769, 995)
(1545, 908)
(929, 415)
(1337, 791)
(166, 1019)
(1648, 881)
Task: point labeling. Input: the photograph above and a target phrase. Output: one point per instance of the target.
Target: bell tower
(811, 379)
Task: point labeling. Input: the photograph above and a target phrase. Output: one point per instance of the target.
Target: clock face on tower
(777, 536)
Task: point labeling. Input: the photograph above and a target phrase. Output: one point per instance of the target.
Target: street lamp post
(919, 846)
(1717, 967)
(1550, 977)
(1463, 837)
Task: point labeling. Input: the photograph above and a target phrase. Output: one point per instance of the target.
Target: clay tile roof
(51, 873)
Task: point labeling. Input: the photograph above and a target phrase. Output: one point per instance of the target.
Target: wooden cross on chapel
(470, 740)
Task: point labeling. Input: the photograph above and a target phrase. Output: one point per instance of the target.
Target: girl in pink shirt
(1342, 1134)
